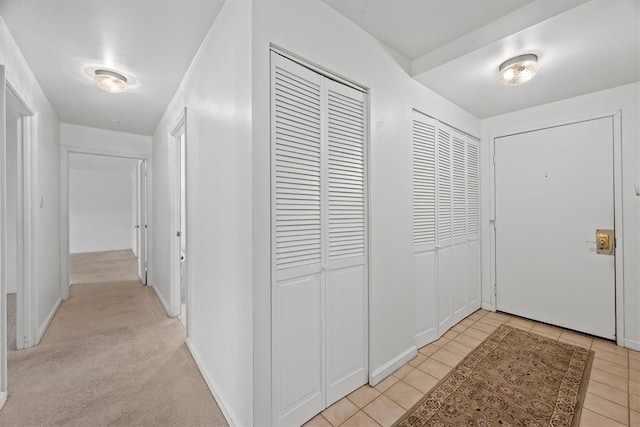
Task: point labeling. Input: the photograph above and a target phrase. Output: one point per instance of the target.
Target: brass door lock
(605, 242)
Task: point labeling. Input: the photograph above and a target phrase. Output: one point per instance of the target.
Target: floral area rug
(514, 378)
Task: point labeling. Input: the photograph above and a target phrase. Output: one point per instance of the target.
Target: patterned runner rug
(513, 378)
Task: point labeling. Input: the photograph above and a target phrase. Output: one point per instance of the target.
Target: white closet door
(319, 214)
(473, 225)
(459, 226)
(445, 229)
(297, 293)
(424, 226)
(346, 236)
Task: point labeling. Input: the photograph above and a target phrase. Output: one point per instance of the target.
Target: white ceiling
(101, 163)
(414, 28)
(451, 46)
(150, 42)
(592, 47)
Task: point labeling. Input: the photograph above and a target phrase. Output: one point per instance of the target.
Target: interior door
(346, 237)
(142, 221)
(319, 238)
(554, 189)
(298, 309)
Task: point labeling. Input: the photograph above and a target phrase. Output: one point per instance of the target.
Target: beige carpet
(513, 378)
(110, 357)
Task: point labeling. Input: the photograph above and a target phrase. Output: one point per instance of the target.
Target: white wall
(217, 93)
(626, 99)
(100, 210)
(105, 140)
(46, 188)
(314, 31)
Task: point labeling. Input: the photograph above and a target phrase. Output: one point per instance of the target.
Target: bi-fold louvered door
(445, 226)
(319, 235)
(424, 226)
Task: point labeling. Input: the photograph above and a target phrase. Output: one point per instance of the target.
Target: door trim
(616, 117)
(26, 299)
(179, 129)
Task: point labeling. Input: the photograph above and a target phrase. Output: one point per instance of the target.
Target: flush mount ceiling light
(518, 70)
(110, 81)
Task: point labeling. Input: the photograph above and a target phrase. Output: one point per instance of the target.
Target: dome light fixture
(110, 81)
(519, 69)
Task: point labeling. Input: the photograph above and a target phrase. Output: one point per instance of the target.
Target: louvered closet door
(319, 235)
(445, 228)
(297, 291)
(424, 226)
(459, 226)
(346, 236)
(473, 225)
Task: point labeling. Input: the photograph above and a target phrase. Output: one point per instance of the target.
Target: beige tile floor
(613, 394)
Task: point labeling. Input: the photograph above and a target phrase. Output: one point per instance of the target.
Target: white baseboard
(632, 344)
(47, 322)
(3, 398)
(162, 301)
(219, 400)
(487, 306)
(392, 365)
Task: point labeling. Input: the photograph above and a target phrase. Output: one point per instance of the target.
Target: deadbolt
(605, 242)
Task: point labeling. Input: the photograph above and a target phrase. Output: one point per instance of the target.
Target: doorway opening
(107, 218)
(179, 212)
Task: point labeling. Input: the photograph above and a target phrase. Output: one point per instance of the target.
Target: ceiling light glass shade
(518, 70)
(110, 81)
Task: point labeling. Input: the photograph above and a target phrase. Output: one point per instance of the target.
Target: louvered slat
(297, 171)
(444, 184)
(345, 175)
(473, 191)
(424, 180)
(459, 187)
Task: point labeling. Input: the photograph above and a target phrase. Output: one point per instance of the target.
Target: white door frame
(179, 129)
(26, 333)
(617, 194)
(26, 300)
(65, 151)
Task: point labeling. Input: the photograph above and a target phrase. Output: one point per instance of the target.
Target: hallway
(111, 356)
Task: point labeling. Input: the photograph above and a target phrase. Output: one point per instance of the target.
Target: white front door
(554, 189)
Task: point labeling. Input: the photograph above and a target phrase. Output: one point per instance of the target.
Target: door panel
(346, 237)
(554, 188)
(298, 304)
(297, 348)
(346, 346)
(459, 281)
(426, 309)
(445, 286)
(473, 275)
